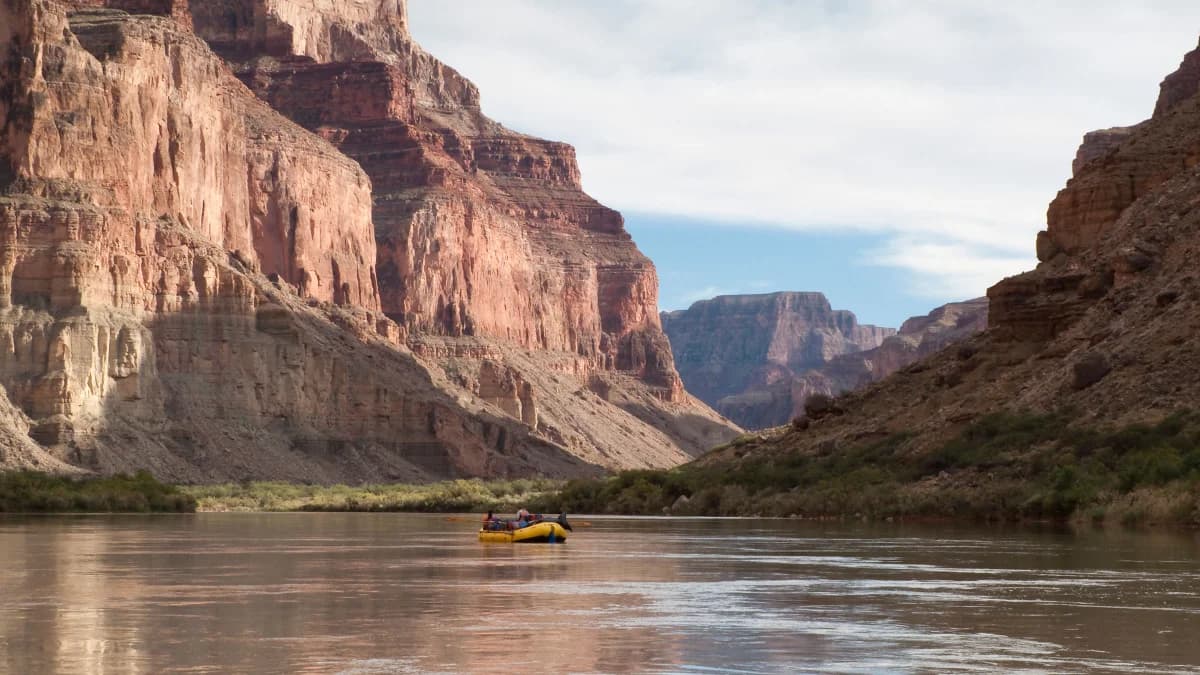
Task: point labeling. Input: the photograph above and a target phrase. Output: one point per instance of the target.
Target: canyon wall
(741, 353)
(1101, 332)
(918, 337)
(193, 284)
(757, 358)
(481, 231)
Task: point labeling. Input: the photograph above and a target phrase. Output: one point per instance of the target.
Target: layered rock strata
(189, 284)
(1129, 165)
(918, 337)
(1180, 85)
(481, 231)
(741, 353)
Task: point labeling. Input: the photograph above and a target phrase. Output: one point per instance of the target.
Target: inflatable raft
(539, 532)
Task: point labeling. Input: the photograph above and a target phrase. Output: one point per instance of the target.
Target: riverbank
(1005, 467)
(458, 496)
(32, 492)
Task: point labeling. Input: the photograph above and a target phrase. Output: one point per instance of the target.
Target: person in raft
(522, 518)
(489, 521)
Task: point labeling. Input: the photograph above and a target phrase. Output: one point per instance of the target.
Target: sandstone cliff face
(188, 280)
(1097, 145)
(741, 353)
(481, 231)
(1104, 326)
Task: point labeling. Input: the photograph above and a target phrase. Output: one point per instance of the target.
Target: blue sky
(698, 260)
(894, 154)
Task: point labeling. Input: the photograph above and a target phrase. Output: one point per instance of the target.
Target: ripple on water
(371, 593)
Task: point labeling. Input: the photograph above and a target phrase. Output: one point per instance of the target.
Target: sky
(894, 154)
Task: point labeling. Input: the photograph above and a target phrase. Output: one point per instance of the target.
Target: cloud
(941, 269)
(933, 123)
(704, 294)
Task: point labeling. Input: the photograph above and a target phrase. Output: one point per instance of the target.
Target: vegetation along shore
(32, 492)
(1004, 467)
(457, 496)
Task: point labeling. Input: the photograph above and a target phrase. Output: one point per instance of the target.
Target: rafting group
(526, 528)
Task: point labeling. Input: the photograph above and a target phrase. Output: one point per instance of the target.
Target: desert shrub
(444, 497)
(33, 492)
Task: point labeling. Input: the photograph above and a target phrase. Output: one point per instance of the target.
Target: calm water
(391, 593)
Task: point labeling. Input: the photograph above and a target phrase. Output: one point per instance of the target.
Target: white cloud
(945, 126)
(704, 294)
(945, 268)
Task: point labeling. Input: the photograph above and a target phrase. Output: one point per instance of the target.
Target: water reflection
(384, 593)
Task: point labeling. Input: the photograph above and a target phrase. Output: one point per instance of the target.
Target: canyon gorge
(276, 239)
(757, 358)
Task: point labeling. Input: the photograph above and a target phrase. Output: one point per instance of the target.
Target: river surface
(396, 593)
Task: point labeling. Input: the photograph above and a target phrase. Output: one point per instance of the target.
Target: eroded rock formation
(741, 353)
(481, 231)
(917, 338)
(192, 283)
(1097, 145)
(1180, 85)
(1102, 331)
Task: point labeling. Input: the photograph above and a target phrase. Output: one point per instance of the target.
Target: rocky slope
(741, 353)
(757, 358)
(918, 337)
(194, 284)
(1102, 331)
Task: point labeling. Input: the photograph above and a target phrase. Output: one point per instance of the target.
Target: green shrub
(1004, 466)
(33, 492)
(443, 497)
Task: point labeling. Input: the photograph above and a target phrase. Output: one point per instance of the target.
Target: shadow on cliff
(697, 434)
(283, 392)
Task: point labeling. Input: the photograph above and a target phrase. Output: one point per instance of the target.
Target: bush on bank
(1006, 466)
(33, 492)
(457, 496)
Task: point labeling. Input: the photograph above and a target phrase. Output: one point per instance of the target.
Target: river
(397, 593)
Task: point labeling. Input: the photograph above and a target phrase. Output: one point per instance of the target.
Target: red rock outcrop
(741, 353)
(188, 279)
(482, 231)
(176, 9)
(122, 125)
(918, 337)
(1180, 85)
(1098, 144)
(1102, 332)
(1125, 165)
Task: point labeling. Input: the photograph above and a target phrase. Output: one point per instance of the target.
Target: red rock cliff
(1123, 166)
(741, 353)
(918, 337)
(482, 231)
(1102, 332)
(188, 280)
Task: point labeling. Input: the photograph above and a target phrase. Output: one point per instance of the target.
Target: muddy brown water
(397, 593)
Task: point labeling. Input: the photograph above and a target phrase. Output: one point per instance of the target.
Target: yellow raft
(544, 532)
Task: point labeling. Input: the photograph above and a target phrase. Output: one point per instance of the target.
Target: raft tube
(543, 532)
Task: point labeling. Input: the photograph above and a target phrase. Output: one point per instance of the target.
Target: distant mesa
(757, 358)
